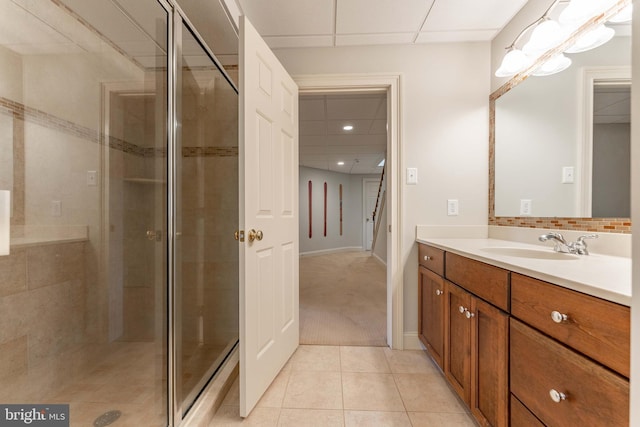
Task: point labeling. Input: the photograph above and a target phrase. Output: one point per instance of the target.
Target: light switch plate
(525, 206)
(412, 176)
(452, 207)
(567, 175)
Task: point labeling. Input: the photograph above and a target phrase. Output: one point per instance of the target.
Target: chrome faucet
(561, 245)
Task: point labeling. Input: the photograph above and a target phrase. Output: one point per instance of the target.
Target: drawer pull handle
(427, 258)
(438, 292)
(557, 396)
(461, 309)
(558, 317)
(468, 314)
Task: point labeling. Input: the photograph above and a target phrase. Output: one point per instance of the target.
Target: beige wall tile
(13, 272)
(51, 264)
(13, 358)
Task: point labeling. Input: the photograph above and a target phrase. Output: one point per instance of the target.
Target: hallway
(352, 386)
(343, 300)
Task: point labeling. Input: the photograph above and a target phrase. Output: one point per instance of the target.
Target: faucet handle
(587, 236)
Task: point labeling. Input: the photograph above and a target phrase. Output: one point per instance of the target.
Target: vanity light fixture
(548, 34)
(347, 127)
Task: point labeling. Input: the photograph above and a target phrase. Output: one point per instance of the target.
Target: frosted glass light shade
(623, 16)
(546, 35)
(552, 66)
(591, 40)
(5, 202)
(580, 11)
(512, 63)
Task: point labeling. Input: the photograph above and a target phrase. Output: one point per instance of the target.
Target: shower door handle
(154, 235)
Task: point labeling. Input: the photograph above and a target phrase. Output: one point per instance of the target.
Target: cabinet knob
(468, 314)
(558, 317)
(438, 292)
(557, 396)
(427, 258)
(461, 309)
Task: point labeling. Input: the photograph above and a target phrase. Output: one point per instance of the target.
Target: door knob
(255, 235)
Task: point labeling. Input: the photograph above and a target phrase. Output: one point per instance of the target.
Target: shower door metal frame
(177, 17)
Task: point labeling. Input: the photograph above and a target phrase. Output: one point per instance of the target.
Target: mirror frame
(602, 225)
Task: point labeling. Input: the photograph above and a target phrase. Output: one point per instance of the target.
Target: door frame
(364, 211)
(391, 84)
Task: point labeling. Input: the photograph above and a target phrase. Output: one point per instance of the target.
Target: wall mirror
(559, 144)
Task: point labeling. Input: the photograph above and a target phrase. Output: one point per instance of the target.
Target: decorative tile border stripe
(21, 112)
(601, 225)
(210, 152)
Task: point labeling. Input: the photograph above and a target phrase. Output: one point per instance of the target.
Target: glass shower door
(206, 215)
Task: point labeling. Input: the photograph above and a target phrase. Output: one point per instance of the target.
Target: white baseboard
(412, 342)
(332, 251)
(380, 260)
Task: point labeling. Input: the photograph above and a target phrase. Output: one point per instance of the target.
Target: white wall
(351, 210)
(444, 131)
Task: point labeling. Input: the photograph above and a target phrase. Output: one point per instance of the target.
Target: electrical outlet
(452, 207)
(412, 176)
(525, 206)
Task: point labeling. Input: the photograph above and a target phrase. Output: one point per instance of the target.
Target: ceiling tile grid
(323, 23)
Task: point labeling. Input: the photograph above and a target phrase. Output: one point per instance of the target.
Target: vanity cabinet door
(489, 364)
(457, 353)
(431, 313)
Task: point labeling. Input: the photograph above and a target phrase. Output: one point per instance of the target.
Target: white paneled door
(269, 311)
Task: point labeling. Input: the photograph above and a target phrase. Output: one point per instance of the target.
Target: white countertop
(603, 276)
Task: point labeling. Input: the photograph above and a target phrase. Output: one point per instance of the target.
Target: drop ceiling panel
(311, 108)
(456, 36)
(464, 15)
(380, 16)
(312, 127)
(276, 42)
(374, 39)
(290, 17)
(354, 108)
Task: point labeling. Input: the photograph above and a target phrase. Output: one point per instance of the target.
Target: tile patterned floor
(352, 386)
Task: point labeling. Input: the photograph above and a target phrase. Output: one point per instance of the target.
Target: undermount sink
(531, 253)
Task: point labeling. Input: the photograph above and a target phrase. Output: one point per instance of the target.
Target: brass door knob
(255, 235)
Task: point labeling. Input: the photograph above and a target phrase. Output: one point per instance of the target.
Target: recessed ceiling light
(340, 163)
(347, 127)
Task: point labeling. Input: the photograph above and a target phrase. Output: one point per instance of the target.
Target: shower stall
(119, 149)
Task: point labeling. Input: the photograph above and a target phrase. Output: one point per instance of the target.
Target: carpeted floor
(343, 300)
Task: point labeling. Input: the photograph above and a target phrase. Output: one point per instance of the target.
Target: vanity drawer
(521, 416)
(598, 328)
(486, 281)
(431, 258)
(594, 396)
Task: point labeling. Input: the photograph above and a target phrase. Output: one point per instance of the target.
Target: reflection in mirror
(6, 151)
(540, 139)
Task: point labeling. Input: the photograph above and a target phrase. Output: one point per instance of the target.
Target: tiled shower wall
(42, 311)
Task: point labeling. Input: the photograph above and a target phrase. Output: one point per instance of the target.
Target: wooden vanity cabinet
(431, 318)
(464, 334)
